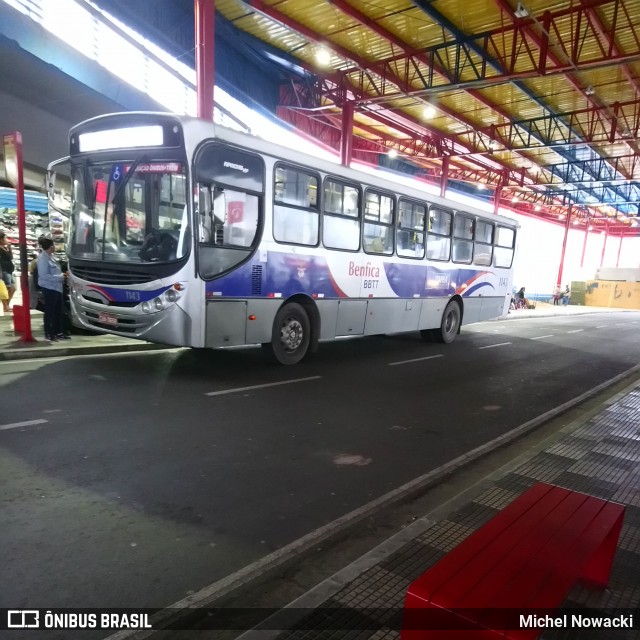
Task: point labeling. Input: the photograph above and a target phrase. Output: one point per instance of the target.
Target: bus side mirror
(59, 186)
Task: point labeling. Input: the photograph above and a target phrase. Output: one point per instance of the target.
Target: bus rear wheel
(290, 336)
(449, 326)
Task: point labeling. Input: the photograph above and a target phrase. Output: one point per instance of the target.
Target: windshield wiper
(127, 176)
(125, 179)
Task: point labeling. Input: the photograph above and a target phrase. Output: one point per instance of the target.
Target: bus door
(229, 222)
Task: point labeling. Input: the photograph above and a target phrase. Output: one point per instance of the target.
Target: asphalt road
(150, 476)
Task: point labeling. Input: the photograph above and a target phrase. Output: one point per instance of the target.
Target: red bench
(526, 559)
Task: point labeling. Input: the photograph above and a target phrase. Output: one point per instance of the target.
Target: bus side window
(341, 215)
(463, 235)
(410, 234)
(296, 217)
(505, 247)
(483, 248)
(379, 214)
(439, 238)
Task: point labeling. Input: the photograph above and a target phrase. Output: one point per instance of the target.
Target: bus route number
(370, 284)
(504, 282)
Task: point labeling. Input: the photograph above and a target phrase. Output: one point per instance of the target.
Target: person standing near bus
(6, 269)
(566, 295)
(51, 282)
(556, 295)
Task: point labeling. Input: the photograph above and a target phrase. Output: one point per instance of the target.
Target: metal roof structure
(538, 101)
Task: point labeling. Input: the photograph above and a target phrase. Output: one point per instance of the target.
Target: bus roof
(197, 129)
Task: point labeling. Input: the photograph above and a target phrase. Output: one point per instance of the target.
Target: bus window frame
(420, 203)
(484, 244)
(318, 208)
(345, 183)
(471, 240)
(390, 225)
(430, 233)
(512, 248)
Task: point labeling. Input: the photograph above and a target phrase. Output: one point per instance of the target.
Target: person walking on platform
(556, 295)
(6, 269)
(51, 282)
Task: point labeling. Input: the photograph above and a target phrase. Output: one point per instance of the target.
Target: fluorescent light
(429, 112)
(323, 57)
(392, 153)
(150, 136)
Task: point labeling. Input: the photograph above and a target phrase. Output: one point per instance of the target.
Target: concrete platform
(12, 347)
(598, 456)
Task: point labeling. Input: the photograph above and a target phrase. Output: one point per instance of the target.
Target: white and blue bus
(185, 233)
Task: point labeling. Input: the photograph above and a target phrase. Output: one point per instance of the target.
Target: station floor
(598, 455)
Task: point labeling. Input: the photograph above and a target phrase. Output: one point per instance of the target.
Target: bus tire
(291, 335)
(450, 325)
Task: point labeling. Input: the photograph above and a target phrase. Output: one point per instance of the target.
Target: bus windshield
(132, 211)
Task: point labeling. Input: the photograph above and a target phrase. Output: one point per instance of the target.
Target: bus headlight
(157, 303)
(170, 295)
(146, 307)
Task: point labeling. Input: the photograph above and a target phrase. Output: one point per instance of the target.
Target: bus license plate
(108, 318)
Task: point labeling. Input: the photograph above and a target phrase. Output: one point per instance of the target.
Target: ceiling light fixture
(521, 11)
(589, 91)
(429, 112)
(323, 57)
(392, 153)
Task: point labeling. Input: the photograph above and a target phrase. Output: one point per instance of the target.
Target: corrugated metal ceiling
(538, 99)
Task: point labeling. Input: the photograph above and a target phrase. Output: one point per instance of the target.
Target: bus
(185, 233)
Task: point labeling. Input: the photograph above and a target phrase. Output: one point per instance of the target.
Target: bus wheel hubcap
(291, 334)
(449, 322)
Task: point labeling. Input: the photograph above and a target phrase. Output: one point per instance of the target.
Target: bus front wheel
(291, 335)
(449, 326)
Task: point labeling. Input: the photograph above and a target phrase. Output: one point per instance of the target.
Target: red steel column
(204, 11)
(584, 244)
(445, 176)
(620, 247)
(497, 194)
(604, 245)
(564, 246)
(12, 144)
(346, 141)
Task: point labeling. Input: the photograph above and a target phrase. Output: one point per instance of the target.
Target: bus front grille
(108, 303)
(104, 275)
